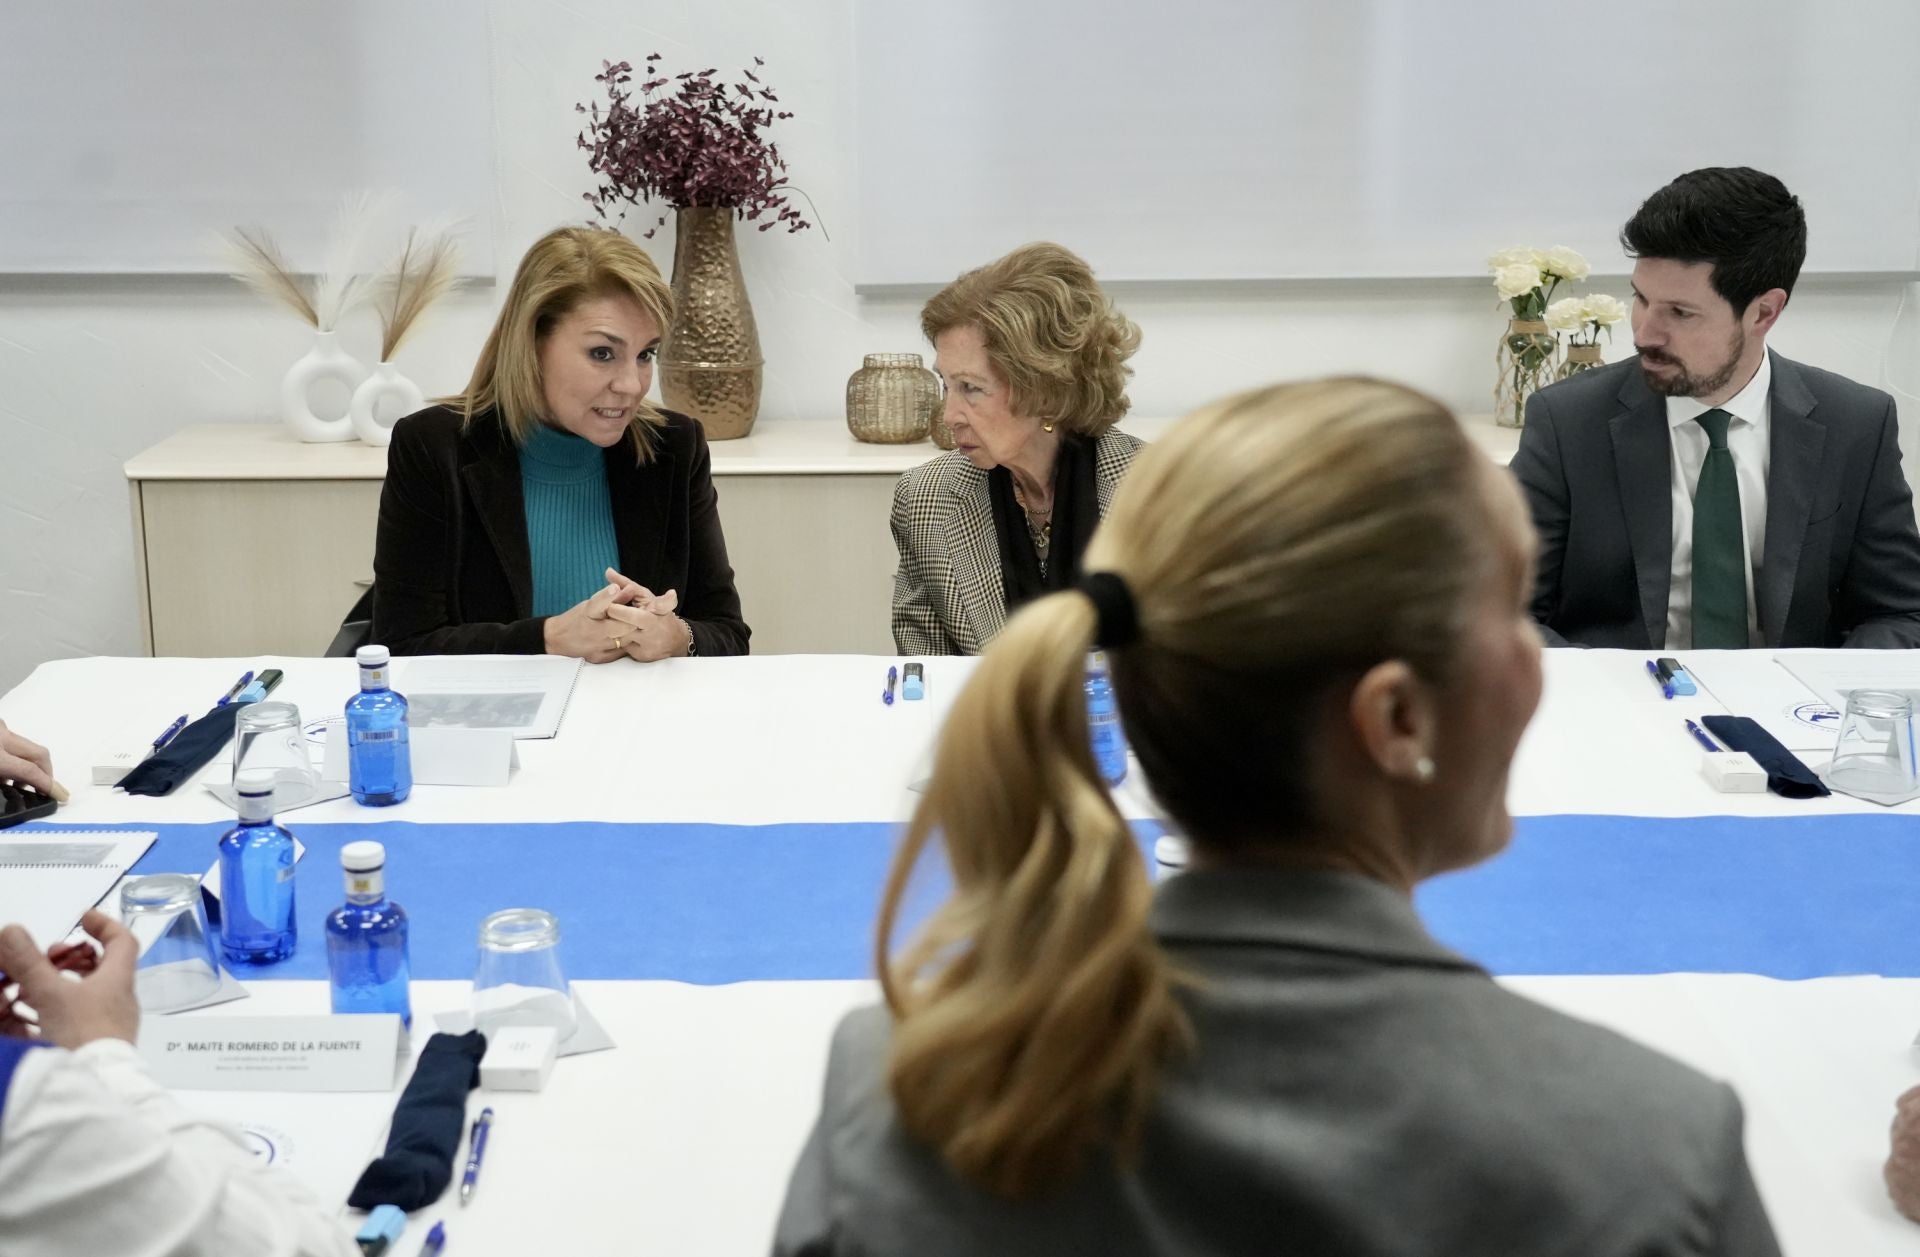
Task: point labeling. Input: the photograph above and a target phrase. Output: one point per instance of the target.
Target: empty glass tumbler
(1875, 751)
(268, 736)
(177, 967)
(519, 981)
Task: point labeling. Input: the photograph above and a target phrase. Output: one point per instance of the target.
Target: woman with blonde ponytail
(1314, 599)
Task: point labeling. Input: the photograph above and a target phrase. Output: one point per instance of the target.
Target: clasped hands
(624, 620)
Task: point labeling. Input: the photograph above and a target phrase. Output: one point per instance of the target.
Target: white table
(685, 1134)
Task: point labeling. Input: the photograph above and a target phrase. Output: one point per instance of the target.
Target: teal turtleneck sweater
(569, 519)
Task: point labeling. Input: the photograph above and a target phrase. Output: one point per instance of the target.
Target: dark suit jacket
(949, 597)
(452, 568)
(1840, 563)
(1355, 1089)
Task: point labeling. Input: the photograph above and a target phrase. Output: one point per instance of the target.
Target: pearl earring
(1423, 769)
(1047, 427)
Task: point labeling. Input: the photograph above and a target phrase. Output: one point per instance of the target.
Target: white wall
(92, 372)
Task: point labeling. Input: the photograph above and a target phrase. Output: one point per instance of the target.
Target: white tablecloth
(682, 1138)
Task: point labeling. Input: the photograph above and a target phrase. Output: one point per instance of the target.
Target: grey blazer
(948, 595)
(1840, 563)
(1357, 1089)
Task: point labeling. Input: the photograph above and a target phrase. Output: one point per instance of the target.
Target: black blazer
(452, 569)
(1840, 563)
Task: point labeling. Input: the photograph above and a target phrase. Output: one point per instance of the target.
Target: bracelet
(692, 650)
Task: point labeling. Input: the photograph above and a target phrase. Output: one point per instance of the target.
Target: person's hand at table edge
(74, 1012)
(28, 763)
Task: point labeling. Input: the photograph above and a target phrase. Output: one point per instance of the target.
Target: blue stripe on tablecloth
(1786, 897)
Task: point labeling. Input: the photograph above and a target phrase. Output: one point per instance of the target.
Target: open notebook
(49, 880)
(524, 694)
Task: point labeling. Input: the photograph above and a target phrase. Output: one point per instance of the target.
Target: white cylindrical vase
(325, 361)
(386, 389)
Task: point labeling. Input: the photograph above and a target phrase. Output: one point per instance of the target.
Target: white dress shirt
(1751, 409)
(96, 1158)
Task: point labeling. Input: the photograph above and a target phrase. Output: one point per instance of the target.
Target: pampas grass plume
(420, 274)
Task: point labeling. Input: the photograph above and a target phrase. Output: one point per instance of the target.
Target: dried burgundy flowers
(699, 143)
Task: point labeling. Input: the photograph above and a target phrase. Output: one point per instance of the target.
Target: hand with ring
(583, 631)
(651, 628)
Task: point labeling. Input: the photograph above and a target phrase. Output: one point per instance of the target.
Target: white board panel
(131, 131)
(1259, 139)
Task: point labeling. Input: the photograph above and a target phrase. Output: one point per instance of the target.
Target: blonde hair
(1051, 334)
(565, 267)
(1274, 543)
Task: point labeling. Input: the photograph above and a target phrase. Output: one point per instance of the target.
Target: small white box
(1733, 772)
(519, 1058)
(112, 763)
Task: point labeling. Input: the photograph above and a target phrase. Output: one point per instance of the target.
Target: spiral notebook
(524, 694)
(49, 880)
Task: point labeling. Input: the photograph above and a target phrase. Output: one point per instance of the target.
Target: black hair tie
(1119, 619)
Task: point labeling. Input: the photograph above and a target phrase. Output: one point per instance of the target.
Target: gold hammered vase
(710, 363)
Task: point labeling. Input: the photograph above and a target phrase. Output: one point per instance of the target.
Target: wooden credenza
(247, 542)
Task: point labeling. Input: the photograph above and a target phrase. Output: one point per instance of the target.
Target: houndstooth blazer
(948, 595)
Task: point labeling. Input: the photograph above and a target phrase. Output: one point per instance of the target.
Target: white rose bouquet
(1527, 278)
(1586, 317)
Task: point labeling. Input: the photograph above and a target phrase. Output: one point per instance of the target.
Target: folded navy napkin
(1787, 776)
(427, 1126)
(190, 751)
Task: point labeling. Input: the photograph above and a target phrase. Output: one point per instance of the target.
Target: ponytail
(1034, 1011)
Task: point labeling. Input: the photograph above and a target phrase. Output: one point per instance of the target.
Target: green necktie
(1719, 553)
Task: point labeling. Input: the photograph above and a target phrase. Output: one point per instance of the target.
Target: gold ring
(619, 643)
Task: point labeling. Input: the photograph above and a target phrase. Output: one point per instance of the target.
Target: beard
(1685, 383)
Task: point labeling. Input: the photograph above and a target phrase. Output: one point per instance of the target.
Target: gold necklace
(1042, 536)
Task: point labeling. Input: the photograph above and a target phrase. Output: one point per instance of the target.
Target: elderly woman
(549, 508)
(1315, 601)
(1033, 357)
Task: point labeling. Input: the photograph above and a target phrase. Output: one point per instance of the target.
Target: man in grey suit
(1709, 494)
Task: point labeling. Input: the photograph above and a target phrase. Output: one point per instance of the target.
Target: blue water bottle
(367, 939)
(379, 762)
(256, 878)
(1103, 721)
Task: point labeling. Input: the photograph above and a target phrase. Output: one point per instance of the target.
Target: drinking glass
(177, 967)
(519, 981)
(268, 736)
(1875, 751)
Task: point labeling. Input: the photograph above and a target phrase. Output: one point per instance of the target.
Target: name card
(346, 1053)
(441, 755)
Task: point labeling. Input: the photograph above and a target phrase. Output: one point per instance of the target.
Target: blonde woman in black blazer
(550, 508)
(1033, 357)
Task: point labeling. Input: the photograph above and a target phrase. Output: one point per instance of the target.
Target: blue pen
(1700, 736)
(476, 1148)
(1666, 686)
(886, 695)
(239, 685)
(173, 731)
(436, 1240)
